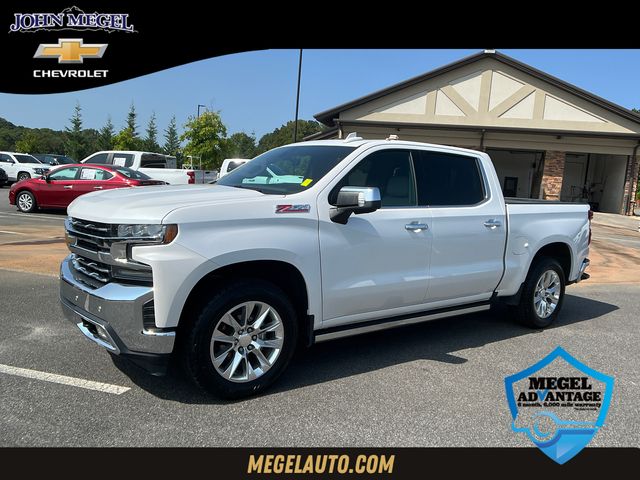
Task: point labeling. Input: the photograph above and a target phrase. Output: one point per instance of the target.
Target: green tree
(91, 142)
(240, 145)
(105, 135)
(171, 138)
(75, 146)
(132, 118)
(29, 142)
(284, 134)
(205, 137)
(39, 140)
(151, 139)
(125, 140)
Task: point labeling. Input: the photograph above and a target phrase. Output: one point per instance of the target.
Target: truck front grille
(97, 270)
(93, 261)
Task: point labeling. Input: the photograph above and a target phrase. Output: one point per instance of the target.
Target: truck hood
(150, 204)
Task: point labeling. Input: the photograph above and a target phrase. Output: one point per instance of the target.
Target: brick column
(552, 174)
(631, 185)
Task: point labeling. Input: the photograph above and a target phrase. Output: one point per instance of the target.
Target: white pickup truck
(156, 165)
(353, 236)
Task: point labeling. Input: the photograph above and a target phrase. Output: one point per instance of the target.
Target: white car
(155, 165)
(21, 166)
(356, 236)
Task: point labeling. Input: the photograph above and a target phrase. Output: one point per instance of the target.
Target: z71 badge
(293, 208)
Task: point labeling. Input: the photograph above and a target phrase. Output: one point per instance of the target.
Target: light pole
(295, 125)
(200, 158)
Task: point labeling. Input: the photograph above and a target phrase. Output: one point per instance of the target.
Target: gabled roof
(328, 116)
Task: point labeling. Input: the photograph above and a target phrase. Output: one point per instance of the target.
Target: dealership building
(547, 138)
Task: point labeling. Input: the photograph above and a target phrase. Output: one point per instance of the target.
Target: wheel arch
(560, 251)
(282, 274)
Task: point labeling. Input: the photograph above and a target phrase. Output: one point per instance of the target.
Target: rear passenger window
(94, 174)
(390, 171)
(152, 161)
(123, 159)
(446, 179)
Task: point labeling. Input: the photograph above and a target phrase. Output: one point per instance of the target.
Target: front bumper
(112, 317)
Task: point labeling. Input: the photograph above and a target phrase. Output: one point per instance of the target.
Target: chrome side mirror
(356, 200)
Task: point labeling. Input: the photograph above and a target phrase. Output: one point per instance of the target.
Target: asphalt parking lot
(436, 384)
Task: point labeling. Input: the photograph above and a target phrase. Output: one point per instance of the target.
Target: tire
(526, 312)
(198, 350)
(23, 176)
(26, 202)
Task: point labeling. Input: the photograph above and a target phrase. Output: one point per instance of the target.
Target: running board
(376, 325)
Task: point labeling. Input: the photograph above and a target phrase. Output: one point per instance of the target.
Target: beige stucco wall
(490, 93)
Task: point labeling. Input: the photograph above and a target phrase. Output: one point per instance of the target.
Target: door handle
(492, 223)
(97, 188)
(68, 187)
(416, 227)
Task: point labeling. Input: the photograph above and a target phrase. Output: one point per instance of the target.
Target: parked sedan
(64, 184)
(3, 177)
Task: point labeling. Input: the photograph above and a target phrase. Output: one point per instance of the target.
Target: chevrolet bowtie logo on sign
(70, 50)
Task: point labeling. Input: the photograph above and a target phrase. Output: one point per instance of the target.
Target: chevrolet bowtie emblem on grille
(70, 50)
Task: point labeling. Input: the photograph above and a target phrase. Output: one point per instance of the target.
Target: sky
(255, 91)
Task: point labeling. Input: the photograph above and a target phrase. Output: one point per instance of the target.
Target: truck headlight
(148, 233)
(39, 171)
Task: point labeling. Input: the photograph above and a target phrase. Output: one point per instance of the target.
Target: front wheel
(23, 176)
(26, 202)
(542, 294)
(242, 340)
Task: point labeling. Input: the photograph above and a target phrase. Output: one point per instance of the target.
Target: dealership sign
(71, 19)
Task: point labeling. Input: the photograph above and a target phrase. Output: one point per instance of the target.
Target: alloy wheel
(247, 341)
(546, 295)
(25, 202)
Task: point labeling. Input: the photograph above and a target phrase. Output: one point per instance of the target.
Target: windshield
(26, 159)
(134, 174)
(286, 170)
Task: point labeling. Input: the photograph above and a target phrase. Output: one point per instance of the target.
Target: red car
(63, 185)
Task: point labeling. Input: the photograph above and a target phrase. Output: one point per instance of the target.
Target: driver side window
(65, 174)
(389, 170)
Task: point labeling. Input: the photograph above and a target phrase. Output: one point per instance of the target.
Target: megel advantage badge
(560, 403)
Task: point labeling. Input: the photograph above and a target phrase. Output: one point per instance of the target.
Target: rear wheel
(23, 176)
(242, 340)
(542, 294)
(26, 202)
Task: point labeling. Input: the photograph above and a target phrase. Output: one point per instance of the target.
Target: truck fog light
(102, 333)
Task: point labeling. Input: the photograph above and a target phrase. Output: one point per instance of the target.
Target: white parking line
(63, 380)
(12, 233)
(33, 216)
